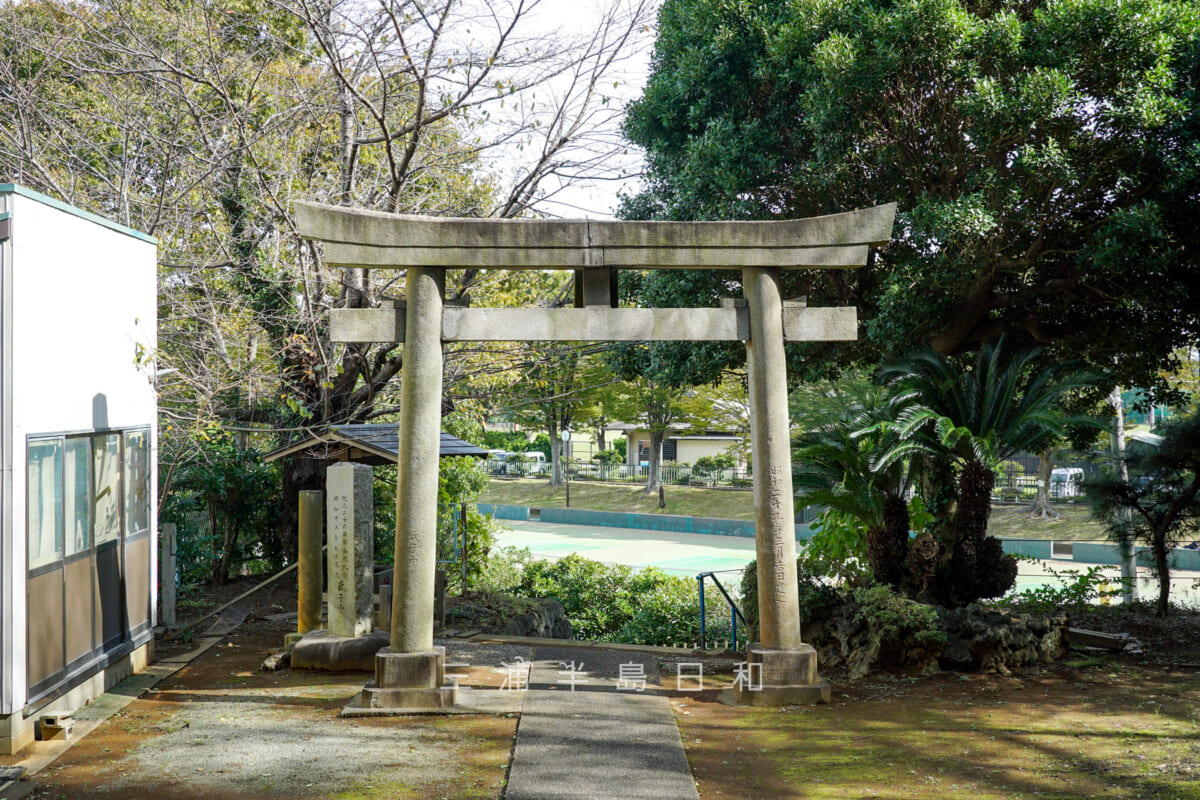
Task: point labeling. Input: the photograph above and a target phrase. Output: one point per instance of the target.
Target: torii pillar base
(409, 682)
(788, 678)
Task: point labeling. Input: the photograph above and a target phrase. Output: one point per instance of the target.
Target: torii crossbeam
(409, 674)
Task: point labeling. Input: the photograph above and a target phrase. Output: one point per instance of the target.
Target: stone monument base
(323, 650)
(788, 677)
(414, 681)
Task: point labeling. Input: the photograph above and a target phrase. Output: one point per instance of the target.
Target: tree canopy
(201, 122)
(1043, 155)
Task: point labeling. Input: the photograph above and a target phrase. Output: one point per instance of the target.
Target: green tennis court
(676, 553)
(688, 554)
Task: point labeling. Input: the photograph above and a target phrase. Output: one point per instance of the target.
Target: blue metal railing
(734, 614)
(454, 551)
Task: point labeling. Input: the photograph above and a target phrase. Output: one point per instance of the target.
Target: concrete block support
(311, 576)
(351, 549)
(788, 677)
(409, 680)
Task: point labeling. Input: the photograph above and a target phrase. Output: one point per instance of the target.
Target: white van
(533, 463)
(1066, 482)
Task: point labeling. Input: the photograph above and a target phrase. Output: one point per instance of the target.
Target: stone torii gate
(410, 674)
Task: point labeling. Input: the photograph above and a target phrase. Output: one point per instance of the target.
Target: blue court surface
(676, 553)
(688, 554)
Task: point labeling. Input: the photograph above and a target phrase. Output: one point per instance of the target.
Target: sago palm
(833, 466)
(971, 415)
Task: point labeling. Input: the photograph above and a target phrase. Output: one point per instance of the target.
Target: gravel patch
(484, 655)
(240, 748)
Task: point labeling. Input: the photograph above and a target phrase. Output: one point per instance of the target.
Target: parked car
(1066, 482)
(530, 463)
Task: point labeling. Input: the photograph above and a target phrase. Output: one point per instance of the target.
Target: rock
(277, 661)
(325, 651)
(1000, 641)
(956, 655)
(976, 639)
(547, 620)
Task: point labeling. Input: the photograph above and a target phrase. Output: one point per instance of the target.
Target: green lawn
(685, 501)
(1007, 521)
(1076, 524)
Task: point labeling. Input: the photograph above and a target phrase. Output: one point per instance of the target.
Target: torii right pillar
(788, 665)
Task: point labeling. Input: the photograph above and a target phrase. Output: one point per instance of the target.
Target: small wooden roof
(364, 444)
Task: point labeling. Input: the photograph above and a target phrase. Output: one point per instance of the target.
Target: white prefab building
(78, 317)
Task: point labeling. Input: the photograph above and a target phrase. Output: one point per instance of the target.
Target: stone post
(788, 666)
(411, 672)
(351, 549)
(312, 514)
(166, 573)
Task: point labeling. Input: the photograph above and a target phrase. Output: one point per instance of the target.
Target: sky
(598, 199)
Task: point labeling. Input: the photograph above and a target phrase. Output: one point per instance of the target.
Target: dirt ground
(1093, 726)
(1098, 726)
(222, 728)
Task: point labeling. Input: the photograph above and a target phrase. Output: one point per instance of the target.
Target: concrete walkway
(593, 740)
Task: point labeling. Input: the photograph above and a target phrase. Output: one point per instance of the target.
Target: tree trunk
(1041, 507)
(1129, 592)
(654, 481)
(887, 544)
(228, 541)
(975, 566)
(556, 446)
(1163, 568)
(217, 576)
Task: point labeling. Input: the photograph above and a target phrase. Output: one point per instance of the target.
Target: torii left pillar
(411, 672)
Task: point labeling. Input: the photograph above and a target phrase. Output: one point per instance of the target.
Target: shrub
(610, 602)
(608, 458)
(670, 614)
(837, 549)
(504, 569)
(517, 464)
(541, 443)
(594, 595)
(814, 594)
(225, 502)
(501, 440)
(711, 466)
(893, 619)
(1077, 591)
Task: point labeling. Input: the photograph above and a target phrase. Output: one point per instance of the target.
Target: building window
(670, 450)
(137, 482)
(107, 460)
(82, 490)
(77, 493)
(44, 503)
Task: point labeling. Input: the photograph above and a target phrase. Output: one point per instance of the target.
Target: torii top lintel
(360, 238)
